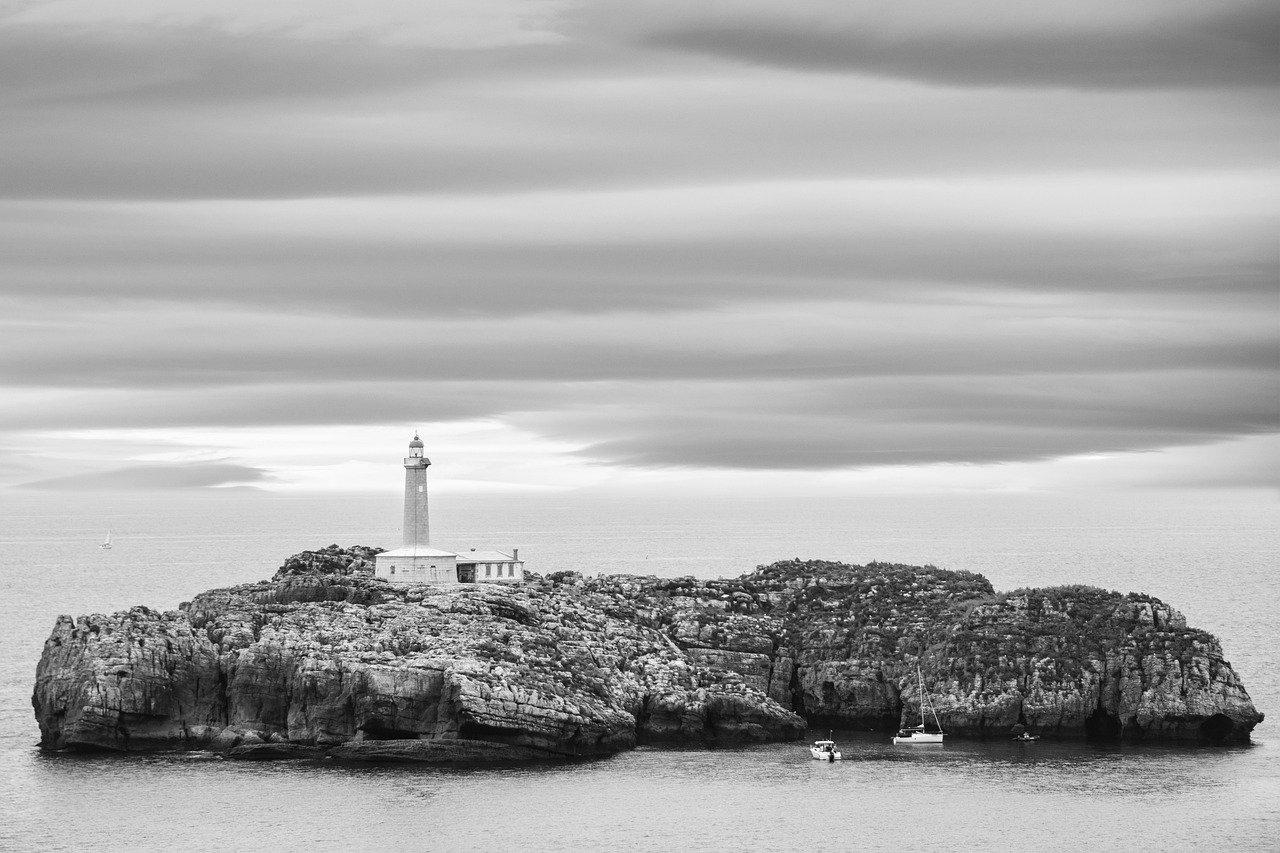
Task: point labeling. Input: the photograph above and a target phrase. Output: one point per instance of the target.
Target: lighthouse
(415, 561)
(417, 529)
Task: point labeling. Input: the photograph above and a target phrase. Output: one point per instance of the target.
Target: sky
(849, 246)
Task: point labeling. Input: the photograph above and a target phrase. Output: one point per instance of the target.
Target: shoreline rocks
(323, 659)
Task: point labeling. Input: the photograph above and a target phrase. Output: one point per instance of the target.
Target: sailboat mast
(920, 675)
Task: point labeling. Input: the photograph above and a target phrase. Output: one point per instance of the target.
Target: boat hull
(919, 739)
(819, 755)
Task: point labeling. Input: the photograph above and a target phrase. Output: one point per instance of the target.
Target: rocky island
(325, 659)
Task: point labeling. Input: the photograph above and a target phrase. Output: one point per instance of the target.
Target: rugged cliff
(325, 658)
(840, 644)
(324, 655)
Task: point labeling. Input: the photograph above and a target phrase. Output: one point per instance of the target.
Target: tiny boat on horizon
(106, 543)
(825, 750)
(918, 735)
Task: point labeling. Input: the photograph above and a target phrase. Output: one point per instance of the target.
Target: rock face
(338, 658)
(324, 659)
(1072, 660)
(840, 645)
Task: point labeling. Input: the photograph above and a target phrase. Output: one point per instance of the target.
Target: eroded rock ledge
(324, 659)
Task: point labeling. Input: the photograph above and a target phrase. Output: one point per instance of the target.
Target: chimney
(515, 554)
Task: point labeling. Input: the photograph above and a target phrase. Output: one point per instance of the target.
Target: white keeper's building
(415, 561)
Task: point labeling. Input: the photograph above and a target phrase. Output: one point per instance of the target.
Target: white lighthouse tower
(417, 528)
(415, 561)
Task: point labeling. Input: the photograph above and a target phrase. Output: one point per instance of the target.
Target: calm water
(1212, 554)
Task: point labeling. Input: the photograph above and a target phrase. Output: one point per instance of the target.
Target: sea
(1211, 553)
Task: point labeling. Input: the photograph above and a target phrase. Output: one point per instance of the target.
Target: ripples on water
(1211, 555)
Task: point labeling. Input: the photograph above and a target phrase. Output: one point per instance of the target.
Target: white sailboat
(915, 735)
(106, 543)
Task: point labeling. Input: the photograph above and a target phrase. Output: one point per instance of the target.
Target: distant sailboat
(106, 543)
(917, 734)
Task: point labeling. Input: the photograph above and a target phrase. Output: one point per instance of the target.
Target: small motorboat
(917, 735)
(825, 750)
(1025, 737)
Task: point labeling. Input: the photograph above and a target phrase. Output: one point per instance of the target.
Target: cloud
(975, 376)
(195, 475)
(454, 24)
(316, 401)
(199, 348)
(663, 249)
(918, 421)
(1055, 44)
(743, 237)
(184, 108)
(74, 63)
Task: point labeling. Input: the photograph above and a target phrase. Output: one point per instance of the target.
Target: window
(486, 570)
(393, 570)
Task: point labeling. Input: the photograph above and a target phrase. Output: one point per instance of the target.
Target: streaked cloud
(1149, 43)
(156, 476)
(823, 239)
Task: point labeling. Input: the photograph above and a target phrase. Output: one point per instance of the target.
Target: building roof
(416, 551)
(417, 442)
(485, 557)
